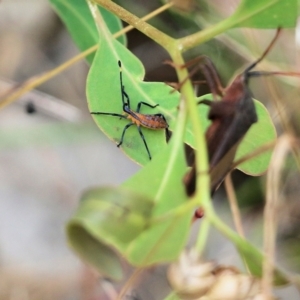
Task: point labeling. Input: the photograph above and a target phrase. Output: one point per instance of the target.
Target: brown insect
(231, 118)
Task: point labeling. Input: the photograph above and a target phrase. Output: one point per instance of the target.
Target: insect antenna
(126, 103)
(249, 74)
(208, 68)
(247, 71)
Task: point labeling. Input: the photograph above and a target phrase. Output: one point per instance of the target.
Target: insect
(231, 118)
(151, 121)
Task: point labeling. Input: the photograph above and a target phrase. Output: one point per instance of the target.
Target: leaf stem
(206, 34)
(202, 236)
(234, 205)
(156, 35)
(202, 196)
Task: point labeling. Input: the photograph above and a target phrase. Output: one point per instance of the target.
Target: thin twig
(37, 80)
(283, 146)
(129, 283)
(234, 205)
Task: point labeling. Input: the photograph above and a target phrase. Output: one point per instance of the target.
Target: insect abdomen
(149, 121)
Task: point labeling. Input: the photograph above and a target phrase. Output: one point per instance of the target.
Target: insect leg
(167, 131)
(145, 103)
(168, 134)
(205, 101)
(162, 116)
(209, 70)
(212, 78)
(123, 133)
(143, 138)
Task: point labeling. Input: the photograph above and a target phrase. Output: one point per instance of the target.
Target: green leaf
(265, 14)
(162, 181)
(104, 95)
(79, 21)
(258, 135)
(108, 219)
(114, 222)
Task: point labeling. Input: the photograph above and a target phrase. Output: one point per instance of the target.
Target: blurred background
(47, 159)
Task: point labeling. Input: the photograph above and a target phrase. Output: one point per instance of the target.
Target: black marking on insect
(151, 121)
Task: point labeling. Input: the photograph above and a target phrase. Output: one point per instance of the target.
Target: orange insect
(151, 121)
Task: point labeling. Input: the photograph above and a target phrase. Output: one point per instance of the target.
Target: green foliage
(162, 181)
(133, 221)
(259, 134)
(254, 261)
(80, 23)
(266, 14)
(147, 220)
(108, 218)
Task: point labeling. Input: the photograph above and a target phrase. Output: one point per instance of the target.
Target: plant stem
(234, 205)
(37, 80)
(156, 35)
(202, 236)
(206, 34)
(283, 147)
(203, 180)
